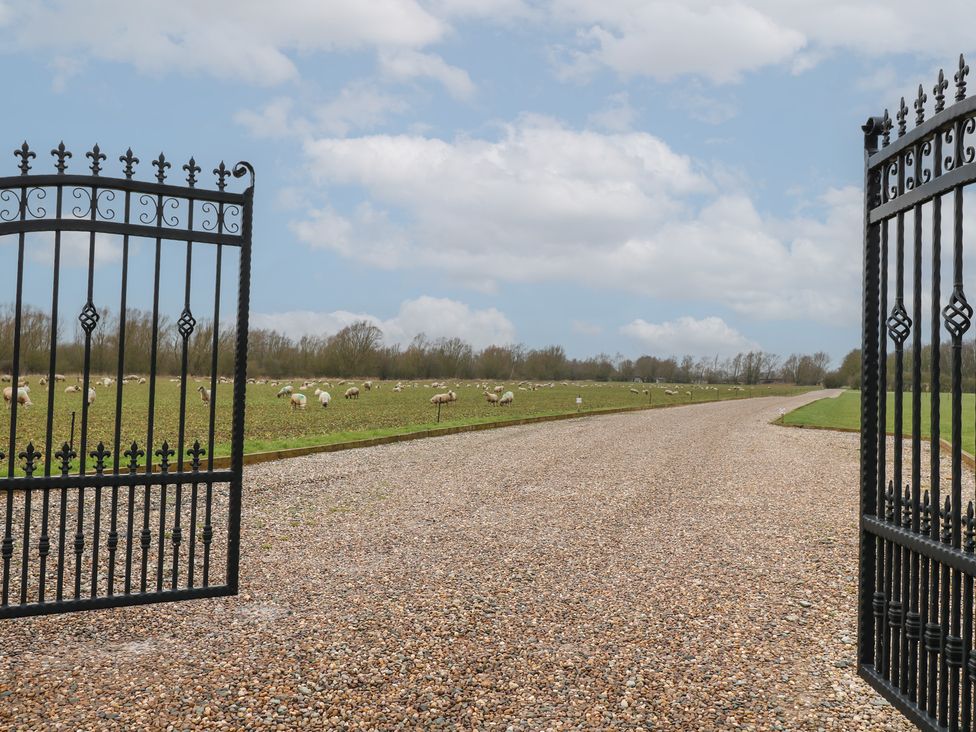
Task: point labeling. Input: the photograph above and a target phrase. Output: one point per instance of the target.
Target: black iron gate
(917, 563)
(135, 509)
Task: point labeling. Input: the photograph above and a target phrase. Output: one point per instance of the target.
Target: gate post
(870, 325)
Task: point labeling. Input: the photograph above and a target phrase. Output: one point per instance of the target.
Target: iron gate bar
(917, 550)
(226, 220)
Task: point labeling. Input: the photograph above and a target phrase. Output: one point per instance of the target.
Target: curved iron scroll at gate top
(917, 563)
(121, 522)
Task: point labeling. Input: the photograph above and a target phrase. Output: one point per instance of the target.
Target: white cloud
(249, 40)
(585, 327)
(358, 106)
(75, 246)
(407, 64)
(686, 335)
(611, 211)
(433, 316)
(720, 41)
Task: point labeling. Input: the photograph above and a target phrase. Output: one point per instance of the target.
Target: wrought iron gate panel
(122, 522)
(917, 561)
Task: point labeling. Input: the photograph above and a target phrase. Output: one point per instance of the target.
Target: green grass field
(271, 424)
(844, 412)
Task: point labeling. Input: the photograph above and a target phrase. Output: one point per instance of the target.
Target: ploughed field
(271, 422)
(690, 568)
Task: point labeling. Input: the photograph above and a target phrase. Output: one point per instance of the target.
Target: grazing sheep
(352, 393)
(42, 381)
(106, 381)
(285, 391)
(204, 394)
(91, 396)
(634, 391)
(324, 398)
(317, 392)
(73, 389)
(441, 398)
(5, 377)
(59, 377)
(507, 398)
(498, 389)
(297, 401)
(491, 397)
(670, 392)
(368, 385)
(142, 379)
(23, 395)
(398, 388)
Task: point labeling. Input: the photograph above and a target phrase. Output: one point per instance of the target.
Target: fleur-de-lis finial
(195, 453)
(30, 457)
(961, 78)
(61, 155)
(161, 166)
(926, 526)
(902, 116)
(941, 85)
(134, 453)
(886, 129)
(96, 156)
(192, 168)
(890, 502)
(222, 174)
(164, 453)
(130, 161)
(920, 105)
(100, 455)
(25, 154)
(65, 455)
(906, 508)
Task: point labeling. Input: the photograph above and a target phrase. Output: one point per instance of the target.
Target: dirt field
(688, 568)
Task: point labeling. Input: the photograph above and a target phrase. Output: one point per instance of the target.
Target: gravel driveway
(685, 568)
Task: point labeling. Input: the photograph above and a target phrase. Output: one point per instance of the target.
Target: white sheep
(285, 391)
(204, 394)
(507, 398)
(367, 385)
(324, 398)
(59, 377)
(91, 396)
(142, 379)
(491, 397)
(445, 398)
(352, 393)
(498, 389)
(317, 392)
(297, 401)
(73, 389)
(634, 391)
(106, 381)
(23, 395)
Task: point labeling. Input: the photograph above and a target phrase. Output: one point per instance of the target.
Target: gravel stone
(634, 571)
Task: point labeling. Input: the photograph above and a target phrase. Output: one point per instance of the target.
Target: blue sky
(620, 176)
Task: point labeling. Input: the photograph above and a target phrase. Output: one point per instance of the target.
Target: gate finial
(902, 116)
(920, 105)
(192, 168)
(961, 78)
(25, 154)
(939, 90)
(96, 156)
(130, 161)
(61, 154)
(161, 166)
(886, 129)
(222, 173)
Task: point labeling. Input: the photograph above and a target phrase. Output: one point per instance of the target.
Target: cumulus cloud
(407, 64)
(686, 335)
(435, 317)
(619, 211)
(250, 40)
(721, 41)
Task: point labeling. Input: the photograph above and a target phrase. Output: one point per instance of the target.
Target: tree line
(849, 372)
(358, 350)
